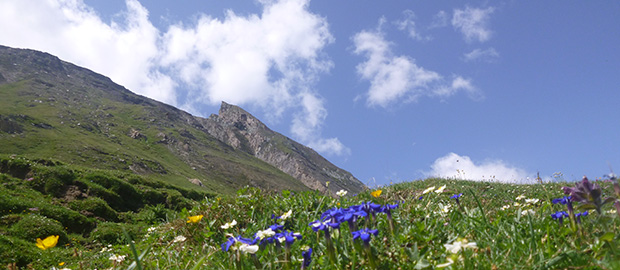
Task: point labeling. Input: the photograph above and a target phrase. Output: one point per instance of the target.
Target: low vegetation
(123, 222)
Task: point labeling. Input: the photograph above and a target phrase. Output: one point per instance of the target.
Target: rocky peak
(239, 129)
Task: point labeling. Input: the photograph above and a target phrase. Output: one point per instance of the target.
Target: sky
(391, 91)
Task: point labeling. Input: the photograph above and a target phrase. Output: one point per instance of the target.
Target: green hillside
(50, 109)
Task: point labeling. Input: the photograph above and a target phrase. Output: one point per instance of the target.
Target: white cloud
(487, 55)
(462, 167)
(270, 60)
(473, 23)
(408, 24)
(439, 20)
(398, 78)
(126, 51)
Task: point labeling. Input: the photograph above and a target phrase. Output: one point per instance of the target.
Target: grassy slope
(505, 238)
(80, 123)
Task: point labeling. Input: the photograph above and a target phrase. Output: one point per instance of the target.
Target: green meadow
(98, 219)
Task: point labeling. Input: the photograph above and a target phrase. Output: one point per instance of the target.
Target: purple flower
(588, 194)
(364, 234)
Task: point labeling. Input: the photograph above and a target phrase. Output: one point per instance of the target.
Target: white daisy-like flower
(117, 258)
(266, 233)
(532, 201)
(229, 225)
(245, 248)
(179, 239)
(286, 215)
(458, 245)
(341, 193)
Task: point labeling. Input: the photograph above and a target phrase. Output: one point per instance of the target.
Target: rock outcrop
(239, 129)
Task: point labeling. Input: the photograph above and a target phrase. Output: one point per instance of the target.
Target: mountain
(242, 131)
(52, 109)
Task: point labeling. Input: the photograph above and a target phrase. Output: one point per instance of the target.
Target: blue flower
(276, 227)
(232, 240)
(288, 237)
(307, 255)
(369, 207)
(559, 215)
(563, 200)
(364, 234)
(456, 196)
(319, 225)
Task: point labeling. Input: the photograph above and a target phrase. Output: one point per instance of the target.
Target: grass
(493, 226)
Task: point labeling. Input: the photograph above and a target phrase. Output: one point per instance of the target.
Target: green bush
(96, 206)
(33, 226)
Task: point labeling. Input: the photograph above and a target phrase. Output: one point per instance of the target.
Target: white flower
(532, 201)
(505, 207)
(527, 212)
(428, 190)
(520, 197)
(458, 245)
(229, 225)
(341, 193)
(446, 264)
(440, 189)
(248, 248)
(286, 215)
(117, 258)
(178, 239)
(151, 229)
(266, 233)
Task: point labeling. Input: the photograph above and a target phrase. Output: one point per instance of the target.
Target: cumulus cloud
(124, 50)
(398, 77)
(487, 55)
(269, 60)
(462, 167)
(440, 19)
(473, 23)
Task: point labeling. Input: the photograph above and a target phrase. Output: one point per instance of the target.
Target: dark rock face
(239, 129)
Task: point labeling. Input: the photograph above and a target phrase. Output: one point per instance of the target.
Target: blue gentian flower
(370, 207)
(289, 237)
(276, 227)
(319, 225)
(563, 200)
(307, 255)
(364, 234)
(456, 196)
(232, 240)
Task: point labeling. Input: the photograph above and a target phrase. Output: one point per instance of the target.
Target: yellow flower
(376, 193)
(48, 242)
(194, 219)
(61, 264)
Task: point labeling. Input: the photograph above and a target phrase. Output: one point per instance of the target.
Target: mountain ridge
(52, 108)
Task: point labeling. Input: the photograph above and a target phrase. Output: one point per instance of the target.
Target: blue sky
(389, 90)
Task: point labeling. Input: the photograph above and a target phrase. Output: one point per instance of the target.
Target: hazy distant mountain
(53, 109)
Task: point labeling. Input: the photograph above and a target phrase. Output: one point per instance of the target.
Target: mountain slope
(53, 109)
(242, 131)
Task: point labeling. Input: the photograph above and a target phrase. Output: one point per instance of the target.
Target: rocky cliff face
(239, 129)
